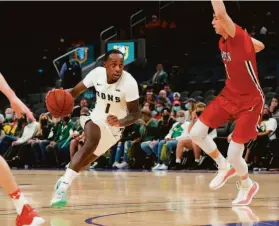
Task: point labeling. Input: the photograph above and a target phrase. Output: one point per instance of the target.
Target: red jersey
(239, 58)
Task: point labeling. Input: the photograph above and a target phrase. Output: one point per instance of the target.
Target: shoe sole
(224, 181)
(36, 222)
(250, 199)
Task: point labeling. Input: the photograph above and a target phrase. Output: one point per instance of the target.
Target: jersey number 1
(107, 108)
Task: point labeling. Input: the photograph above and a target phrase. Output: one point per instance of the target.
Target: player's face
(217, 26)
(114, 66)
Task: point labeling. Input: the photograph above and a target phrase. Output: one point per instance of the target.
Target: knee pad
(199, 131)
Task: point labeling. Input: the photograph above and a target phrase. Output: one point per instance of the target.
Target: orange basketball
(59, 103)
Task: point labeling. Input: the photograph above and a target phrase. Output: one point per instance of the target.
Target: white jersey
(111, 98)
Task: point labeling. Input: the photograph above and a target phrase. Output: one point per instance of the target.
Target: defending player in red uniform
(242, 100)
(25, 214)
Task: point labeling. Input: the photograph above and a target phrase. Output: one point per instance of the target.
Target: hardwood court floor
(143, 198)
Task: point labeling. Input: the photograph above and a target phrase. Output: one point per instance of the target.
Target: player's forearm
(129, 119)
(5, 88)
(219, 8)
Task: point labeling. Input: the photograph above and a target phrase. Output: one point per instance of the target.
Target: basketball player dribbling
(241, 99)
(25, 214)
(117, 106)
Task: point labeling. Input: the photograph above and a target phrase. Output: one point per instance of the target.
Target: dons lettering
(108, 97)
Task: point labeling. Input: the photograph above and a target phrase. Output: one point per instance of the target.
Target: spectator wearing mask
(10, 123)
(266, 133)
(176, 107)
(177, 131)
(273, 107)
(157, 112)
(77, 109)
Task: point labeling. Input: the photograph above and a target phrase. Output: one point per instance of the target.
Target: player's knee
(235, 152)
(199, 131)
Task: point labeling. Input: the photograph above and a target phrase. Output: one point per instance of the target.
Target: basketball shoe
(222, 176)
(29, 217)
(245, 194)
(59, 198)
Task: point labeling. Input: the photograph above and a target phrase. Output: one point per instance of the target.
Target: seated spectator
(150, 98)
(164, 99)
(149, 106)
(57, 152)
(186, 144)
(169, 93)
(10, 123)
(265, 135)
(77, 109)
(41, 137)
(273, 107)
(189, 106)
(178, 130)
(176, 96)
(157, 112)
(148, 130)
(176, 107)
(131, 136)
(15, 156)
(14, 130)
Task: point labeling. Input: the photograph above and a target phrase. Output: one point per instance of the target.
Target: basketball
(59, 103)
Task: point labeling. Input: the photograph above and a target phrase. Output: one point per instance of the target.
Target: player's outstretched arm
(258, 46)
(221, 14)
(18, 106)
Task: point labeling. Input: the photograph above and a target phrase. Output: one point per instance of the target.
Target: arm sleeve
(132, 91)
(88, 81)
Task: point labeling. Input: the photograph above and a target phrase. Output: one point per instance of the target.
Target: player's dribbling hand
(113, 121)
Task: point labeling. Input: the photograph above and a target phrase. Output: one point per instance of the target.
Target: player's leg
(213, 116)
(98, 139)
(26, 215)
(245, 130)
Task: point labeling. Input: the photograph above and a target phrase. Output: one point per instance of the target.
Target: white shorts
(109, 135)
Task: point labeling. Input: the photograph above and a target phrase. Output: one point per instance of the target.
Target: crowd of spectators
(158, 141)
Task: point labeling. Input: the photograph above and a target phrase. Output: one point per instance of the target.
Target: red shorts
(228, 106)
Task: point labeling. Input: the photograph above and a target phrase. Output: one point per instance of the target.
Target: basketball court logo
(123, 49)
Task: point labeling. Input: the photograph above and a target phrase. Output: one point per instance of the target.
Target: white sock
(221, 161)
(197, 160)
(178, 160)
(67, 180)
(235, 153)
(246, 182)
(18, 200)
